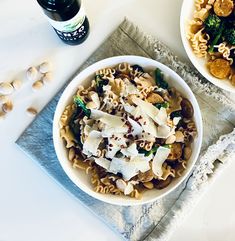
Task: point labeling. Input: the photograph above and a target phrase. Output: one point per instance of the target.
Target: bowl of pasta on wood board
(208, 35)
(127, 130)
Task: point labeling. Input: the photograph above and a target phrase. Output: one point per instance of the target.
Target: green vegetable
(75, 127)
(176, 114)
(148, 153)
(164, 105)
(229, 35)
(216, 39)
(159, 78)
(167, 146)
(212, 24)
(80, 103)
(100, 83)
(138, 68)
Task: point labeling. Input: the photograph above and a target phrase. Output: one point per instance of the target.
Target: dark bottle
(68, 19)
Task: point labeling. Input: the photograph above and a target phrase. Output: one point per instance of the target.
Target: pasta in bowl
(208, 35)
(130, 133)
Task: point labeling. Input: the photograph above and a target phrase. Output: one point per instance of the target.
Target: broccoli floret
(229, 35)
(159, 78)
(80, 103)
(212, 24)
(164, 105)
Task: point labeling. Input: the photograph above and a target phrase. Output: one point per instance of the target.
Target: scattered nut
(7, 107)
(171, 139)
(6, 88)
(32, 73)
(91, 105)
(16, 84)
(47, 77)
(121, 185)
(2, 115)
(148, 185)
(32, 111)
(44, 67)
(179, 136)
(37, 85)
(3, 99)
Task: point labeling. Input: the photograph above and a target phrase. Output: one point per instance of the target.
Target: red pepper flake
(111, 145)
(122, 146)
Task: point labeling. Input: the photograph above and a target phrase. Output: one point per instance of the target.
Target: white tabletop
(32, 205)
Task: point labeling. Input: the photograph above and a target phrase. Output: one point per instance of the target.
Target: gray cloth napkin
(154, 221)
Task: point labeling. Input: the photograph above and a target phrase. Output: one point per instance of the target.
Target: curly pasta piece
(199, 43)
(225, 50)
(67, 135)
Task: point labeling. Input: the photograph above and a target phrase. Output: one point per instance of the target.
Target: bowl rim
(193, 58)
(86, 73)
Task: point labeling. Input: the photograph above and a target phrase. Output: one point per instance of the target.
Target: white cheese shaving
(95, 98)
(111, 120)
(127, 168)
(163, 131)
(159, 158)
(92, 142)
(130, 151)
(103, 162)
(161, 117)
(176, 120)
(128, 189)
(130, 89)
(146, 107)
(109, 131)
(137, 129)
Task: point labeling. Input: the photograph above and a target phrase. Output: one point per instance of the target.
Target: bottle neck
(60, 10)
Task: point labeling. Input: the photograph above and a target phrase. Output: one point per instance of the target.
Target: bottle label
(70, 25)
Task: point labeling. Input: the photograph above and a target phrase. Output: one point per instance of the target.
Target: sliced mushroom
(176, 152)
(223, 8)
(155, 98)
(160, 184)
(148, 185)
(220, 68)
(187, 108)
(187, 152)
(146, 176)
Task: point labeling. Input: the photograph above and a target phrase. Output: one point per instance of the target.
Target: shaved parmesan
(163, 131)
(109, 131)
(146, 107)
(95, 98)
(129, 188)
(127, 168)
(130, 89)
(159, 158)
(130, 151)
(92, 143)
(176, 120)
(161, 117)
(103, 162)
(111, 120)
(137, 129)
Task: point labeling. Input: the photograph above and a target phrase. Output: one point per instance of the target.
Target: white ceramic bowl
(187, 11)
(78, 176)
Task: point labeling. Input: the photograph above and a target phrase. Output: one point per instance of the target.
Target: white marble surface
(32, 205)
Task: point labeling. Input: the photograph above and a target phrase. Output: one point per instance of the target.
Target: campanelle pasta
(128, 131)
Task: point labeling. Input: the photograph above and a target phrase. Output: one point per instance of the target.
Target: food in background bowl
(211, 34)
(129, 130)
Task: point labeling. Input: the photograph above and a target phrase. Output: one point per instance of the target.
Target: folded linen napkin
(157, 220)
